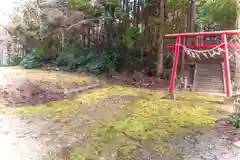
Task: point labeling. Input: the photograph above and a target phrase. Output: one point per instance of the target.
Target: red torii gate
(224, 45)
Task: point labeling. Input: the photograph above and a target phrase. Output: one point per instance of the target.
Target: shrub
(32, 59)
(235, 120)
(90, 60)
(14, 60)
(97, 60)
(106, 58)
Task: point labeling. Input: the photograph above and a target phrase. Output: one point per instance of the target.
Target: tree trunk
(237, 26)
(193, 15)
(185, 14)
(238, 14)
(160, 65)
(193, 19)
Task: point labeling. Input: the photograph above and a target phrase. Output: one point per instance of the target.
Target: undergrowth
(107, 58)
(14, 60)
(235, 120)
(32, 59)
(103, 59)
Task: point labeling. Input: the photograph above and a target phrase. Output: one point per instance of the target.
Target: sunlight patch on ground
(44, 75)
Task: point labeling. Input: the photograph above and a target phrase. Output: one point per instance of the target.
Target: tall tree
(223, 13)
(238, 14)
(160, 65)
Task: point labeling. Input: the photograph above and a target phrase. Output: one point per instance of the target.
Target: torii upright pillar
(227, 75)
(174, 67)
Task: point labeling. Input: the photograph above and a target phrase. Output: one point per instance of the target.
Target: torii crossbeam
(224, 46)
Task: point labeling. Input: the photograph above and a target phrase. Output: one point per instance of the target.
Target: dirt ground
(61, 116)
(32, 87)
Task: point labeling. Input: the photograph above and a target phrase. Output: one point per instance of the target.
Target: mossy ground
(124, 123)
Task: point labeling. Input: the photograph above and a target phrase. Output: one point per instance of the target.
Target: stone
(237, 144)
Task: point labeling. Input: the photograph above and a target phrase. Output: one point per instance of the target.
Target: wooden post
(175, 64)
(183, 56)
(185, 82)
(226, 66)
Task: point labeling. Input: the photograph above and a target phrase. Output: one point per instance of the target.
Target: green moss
(153, 120)
(113, 90)
(99, 94)
(136, 125)
(63, 108)
(192, 96)
(56, 109)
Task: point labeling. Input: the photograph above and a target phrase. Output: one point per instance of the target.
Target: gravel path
(19, 141)
(208, 146)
